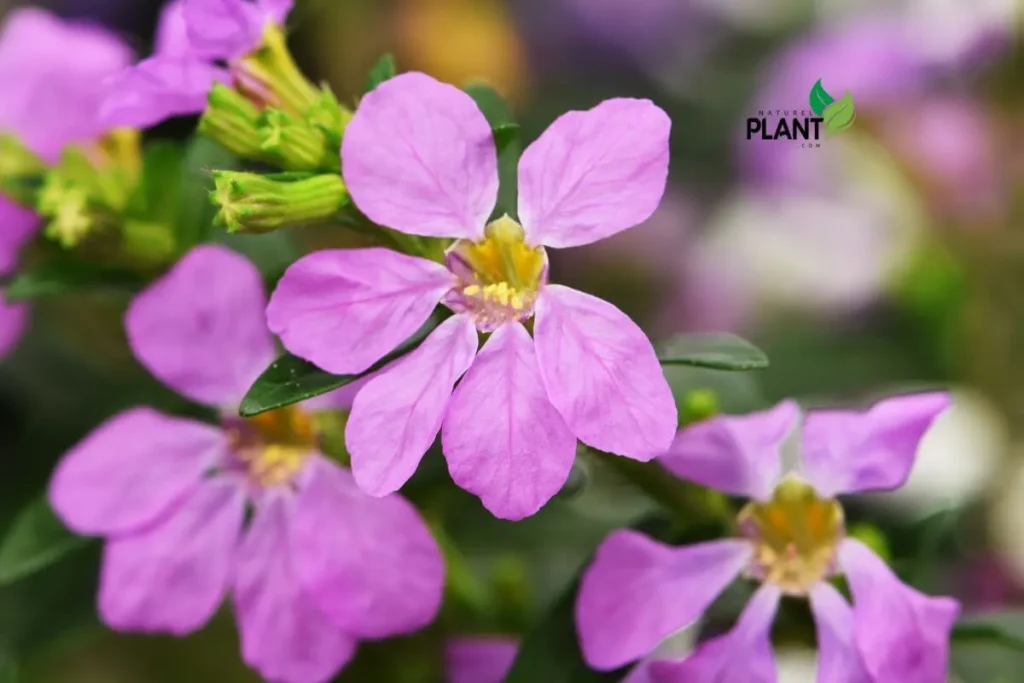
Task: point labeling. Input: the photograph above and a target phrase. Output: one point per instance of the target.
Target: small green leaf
(840, 115)
(384, 69)
(717, 351)
(988, 647)
(63, 276)
(551, 651)
(820, 99)
(290, 379)
(36, 540)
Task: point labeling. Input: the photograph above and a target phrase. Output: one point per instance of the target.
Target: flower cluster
(447, 326)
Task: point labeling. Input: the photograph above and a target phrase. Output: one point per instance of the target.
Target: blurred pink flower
(637, 592)
(949, 143)
(193, 37)
(191, 511)
(419, 157)
(51, 71)
(479, 659)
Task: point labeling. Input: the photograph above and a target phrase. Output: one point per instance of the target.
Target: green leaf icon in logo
(840, 115)
(820, 99)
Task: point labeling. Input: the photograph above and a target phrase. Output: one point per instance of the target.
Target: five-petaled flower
(638, 591)
(419, 157)
(49, 67)
(194, 38)
(190, 510)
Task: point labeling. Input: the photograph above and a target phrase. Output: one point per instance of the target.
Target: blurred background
(890, 257)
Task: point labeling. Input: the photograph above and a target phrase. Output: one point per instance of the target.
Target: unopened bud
(254, 203)
(295, 145)
(270, 77)
(233, 122)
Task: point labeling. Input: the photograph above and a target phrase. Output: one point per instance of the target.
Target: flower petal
(418, 156)
(285, 636)
(838, 658)
(13, 318)
(594, 173)
(902, 634)
(50, 67)
(637, 592)
(742, 654)
(344, 309)
(172, 577)
(200, 328)
(397, 415)
(132, 469)
(157, 89)
(19, 226)
(379, 572)
(847, 451)
(479, 660)
(602, 375)
(503, 439)
(223, 29)
(737, 454)
(172, 31)
(276, 11)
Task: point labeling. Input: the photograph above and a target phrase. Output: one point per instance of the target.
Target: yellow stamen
(796, 535)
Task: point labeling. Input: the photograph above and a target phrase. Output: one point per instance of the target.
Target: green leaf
(8, 672)
(63, 276)
(384, 69)
(506, 138)
(989, 647)
(840, 115)
(994, 629)
(551, 651)
(717, 351)
(195, 220)
(290, 379)
(35, 540)
(820, 99)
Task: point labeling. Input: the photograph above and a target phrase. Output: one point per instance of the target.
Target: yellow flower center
(795, 536)
(273, 446)
(499, 276)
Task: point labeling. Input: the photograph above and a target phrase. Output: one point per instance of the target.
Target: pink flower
(419, 157)
(638, 591)
(191, 511)
(479, 659)
(48, 67)
(193, 37)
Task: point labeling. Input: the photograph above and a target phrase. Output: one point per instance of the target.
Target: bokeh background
(890, 258)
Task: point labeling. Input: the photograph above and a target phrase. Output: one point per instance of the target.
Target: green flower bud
(329, 117)
(270, 77)
(296, 145)
(233, 122)
(253, 203)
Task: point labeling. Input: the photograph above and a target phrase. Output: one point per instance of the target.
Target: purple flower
(191, 511)
(638, 591)
(193, 37)
(419, 157)
(479, 659)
